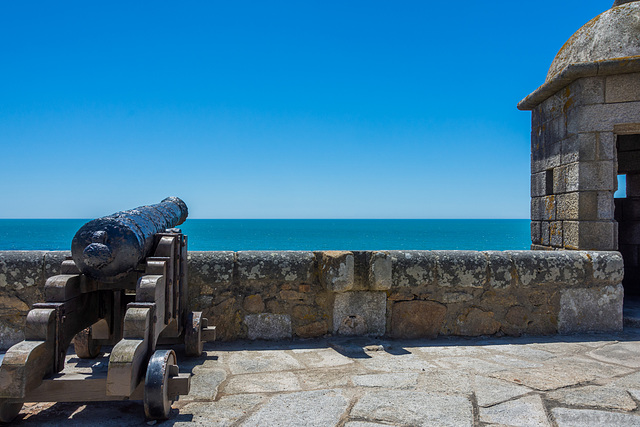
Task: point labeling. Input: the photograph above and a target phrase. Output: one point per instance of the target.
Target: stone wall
(402, 294)
(574, 160)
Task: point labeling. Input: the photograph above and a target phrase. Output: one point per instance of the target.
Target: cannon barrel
(108, 248)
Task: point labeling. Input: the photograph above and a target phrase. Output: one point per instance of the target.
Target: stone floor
(579, 380)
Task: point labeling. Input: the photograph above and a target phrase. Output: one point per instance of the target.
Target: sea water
(298, 234)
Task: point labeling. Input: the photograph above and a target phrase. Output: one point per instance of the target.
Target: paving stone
(560, 372)
(225, 412)
(512, 361)
(205, 384)
(622, 353)
(523, 351)
(383, 361)
(445, 382)
(363, 424)
(262, 383)
(307, 408)
(565, 417)
(490, 391)
(245, 362)
(391, 381)
(321, 358)
(470, 364)
(525, 412)
(324, 378)
(414, 408)
(595, 396)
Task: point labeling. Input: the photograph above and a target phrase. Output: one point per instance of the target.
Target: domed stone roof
(614, 34)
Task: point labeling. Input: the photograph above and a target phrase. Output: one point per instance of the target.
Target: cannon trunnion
(126, 286)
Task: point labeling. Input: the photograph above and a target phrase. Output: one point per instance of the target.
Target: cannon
(125, 286)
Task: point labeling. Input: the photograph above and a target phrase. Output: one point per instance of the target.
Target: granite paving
(572, 380)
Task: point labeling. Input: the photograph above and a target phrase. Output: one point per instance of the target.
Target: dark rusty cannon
(125, 285)
(108, 248)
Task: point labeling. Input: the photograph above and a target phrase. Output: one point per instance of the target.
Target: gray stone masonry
(585, 380)
(282, 295)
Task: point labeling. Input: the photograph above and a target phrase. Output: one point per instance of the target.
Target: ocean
(298, 234)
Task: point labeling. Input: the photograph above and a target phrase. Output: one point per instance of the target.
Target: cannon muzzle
(108, 248)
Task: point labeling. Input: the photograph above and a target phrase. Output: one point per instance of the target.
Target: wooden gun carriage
(125, 285)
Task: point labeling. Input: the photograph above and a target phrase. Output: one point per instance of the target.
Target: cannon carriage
(124, 285)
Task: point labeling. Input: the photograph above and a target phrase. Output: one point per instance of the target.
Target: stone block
(602, 117)
(557, 268)
(597, 176)
(606, 208)
(587, 90)
(568, 206)
(607, 267)
(53, 262)
(360, 313)
(21, 269)
(209, 270)
(591, 309)
(253, 304)
(545, 233)
(536, 234)
(476, 322)
(268, 326)
(566, 178)
(591, 235)
(543, 208)
(606, 146)
(555, 234)
(461, 269)
(538, 184)
(337, 270)
(413, 268)
(417, 319)
(580, 147)
(380, 267)
(501, 270)
(265, 267)
(623, 88)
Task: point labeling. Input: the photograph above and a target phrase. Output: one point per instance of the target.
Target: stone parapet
(402, 294)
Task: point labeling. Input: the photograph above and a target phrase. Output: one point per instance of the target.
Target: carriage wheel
(193, 334)
(85, 346)
(9, 410)
(157, 402)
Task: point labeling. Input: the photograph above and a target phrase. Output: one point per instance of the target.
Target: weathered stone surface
(413, 268)
(311, 330)
(621, 353)
(417, 319)
(501, 270)
(590, 235)
(595, 309)
(337, 270)
(414, 408)
(264, 382)
(380, 267)
(566, 417)
(253, 304)
(622, 88)
(224, 413)
(248, 362)
(268, 326)
(476, 322)
(602, 117)
(536, 268)
(211, 269)
(595, 396)
(360, 313)
(465, 269)
(21, 269)
(205, 384)
(608, 267)
(490, 391)
(526, 411)
(406, 380)
(309, 408)
(275, 266)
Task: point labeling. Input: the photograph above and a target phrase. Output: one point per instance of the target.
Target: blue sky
(312, 109)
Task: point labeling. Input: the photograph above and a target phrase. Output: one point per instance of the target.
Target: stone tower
(586, 131)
